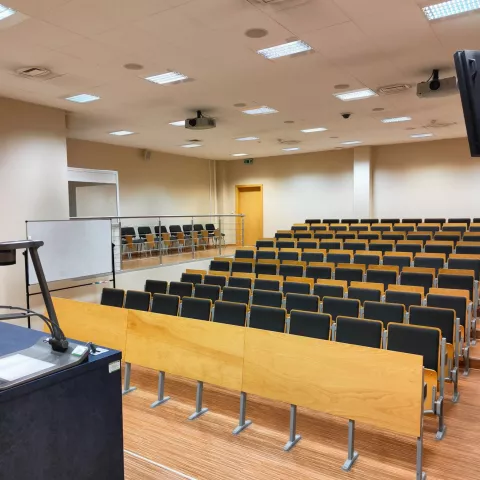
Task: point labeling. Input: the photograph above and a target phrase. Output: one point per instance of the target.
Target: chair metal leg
(199, 411)
(442, 428)
(294, 438)
(161, 391)
(242, 423)
(421, 475)
(352, 454)
(126, 386)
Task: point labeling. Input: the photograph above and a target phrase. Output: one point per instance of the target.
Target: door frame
(238, 188)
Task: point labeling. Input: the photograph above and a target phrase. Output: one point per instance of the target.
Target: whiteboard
(73, 249)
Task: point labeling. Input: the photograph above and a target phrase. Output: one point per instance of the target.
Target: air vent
(33, 72)
(288, 142)
(393, 89)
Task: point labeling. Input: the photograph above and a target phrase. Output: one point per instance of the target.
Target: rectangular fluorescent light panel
(239, 154)
(246, 139)
(180, 123)
(121, 133)
(6, 12)
(292, 149)
(446, 9)
(83, 98)
(421, 135)
(396, 119)
(355, 95)
(260, 111)
(311, 130)
(191, 145)
(285, 49)
(353, 142)
(165, 78)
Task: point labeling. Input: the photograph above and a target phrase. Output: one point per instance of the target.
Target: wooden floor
(161, 443)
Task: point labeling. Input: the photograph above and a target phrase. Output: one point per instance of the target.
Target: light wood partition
(336, 379)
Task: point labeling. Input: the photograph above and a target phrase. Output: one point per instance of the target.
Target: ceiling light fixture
(260, 111)
(191, 145)
(246, 139)
(355, 95)
(180, 123)
(83, 98)
(352, 142)
(291, 149)
(447, 9)
(311, 130)
(6, 12)
(165, 78)
(285, 49)
(122, 133)
(396, 119)
(421, 135)
(239, 154)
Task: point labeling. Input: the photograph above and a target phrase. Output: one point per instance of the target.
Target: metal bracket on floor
(126, 385)
(352, 454)
(161, 391)
(294, 438)
(199, 411)
(242, 423)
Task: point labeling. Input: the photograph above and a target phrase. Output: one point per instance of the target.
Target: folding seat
(220, 265)
(187, 230)
(430, 260)
(315, 220)
(265, 284)
(112, 297)
(345, 307)
(156, 286)
(283, 234)
(299, 301)
(364, 291)
(369, 236)
(436, 246)
(349, 221)
(367, 258)
(424, 341)
(144, 231)
(266, 268)
(384, 274)
(236, 295)
(464, 220)
(475, 226)
(323, 236)
(355, 245)
(192, 278)
(385, 312)
(268, 318)
(382, 245)
(296, 287)
(461, 280)
(339, 227)
(468, 248)
(331, 244)
(240, 282)
(175, 230)
(404, 227)
(460, 261)
(346, 235)
(429, 228)
(215, 280)
(330, 288)
(398, 259)
(395, 236)
(392, 221)
(289, 254)
(320, 270)
(339, 256)
(291, 270)
(409, 246)
(196, 308)
(298, 227)
(412, 220)
(472, 236)
(420, 277)
(212, 292)
(319, 227)
(448, 237)
(370, 221)
(309, 324)
(440, 221)
(280, 244)
(307, 244)
(165, 304)
(266, 254)
(302, 235)
(265, 242)
(357, 331)
(360, 227)
(245, 252)
(230, 313)
(381, 227)
(267, 298)
(455, 227)
(331, 220)
(313, 255)
(422, 236)
(405, 295)
(244, 265)
(349, 272)
(182, 289)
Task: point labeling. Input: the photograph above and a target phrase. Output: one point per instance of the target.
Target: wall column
(362, 182)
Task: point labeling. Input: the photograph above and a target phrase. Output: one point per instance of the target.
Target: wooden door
(249, 201)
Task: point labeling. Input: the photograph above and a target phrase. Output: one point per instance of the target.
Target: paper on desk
(18, 366)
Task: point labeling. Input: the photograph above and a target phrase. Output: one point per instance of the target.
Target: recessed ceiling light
(355, 95)
(421, 135)
(122, 133)
(246, 139)
(180, 123)
(396, 119)
(6, 12)
(240, 105)
(260, 111)
(352, 142)
(285, 49)
(291, 149)
(133, 66)
(341, 86)
(289, 121)
(165, 78)
(311, 130)
(256, 32)
(378, 109)
(191, 145)
(83, 98)
(239, 154)
(446, 9)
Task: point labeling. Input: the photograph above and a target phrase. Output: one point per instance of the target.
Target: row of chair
(187, 229)
(415, 221)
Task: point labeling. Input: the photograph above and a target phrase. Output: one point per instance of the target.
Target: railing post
(192, 239)
(219, 240)
(160, 240)
(121, 243)
(242, 232)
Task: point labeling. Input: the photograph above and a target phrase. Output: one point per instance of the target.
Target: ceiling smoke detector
(33, 72)
(393, 89)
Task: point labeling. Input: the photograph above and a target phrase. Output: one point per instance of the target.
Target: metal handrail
(161, 216)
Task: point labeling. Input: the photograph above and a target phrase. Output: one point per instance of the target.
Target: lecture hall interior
(246, 240)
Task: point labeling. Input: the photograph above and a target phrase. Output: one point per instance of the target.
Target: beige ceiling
(362, 43)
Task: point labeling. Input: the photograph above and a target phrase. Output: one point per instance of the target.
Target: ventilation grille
(288, 142)
(393, 89)
(33, 72)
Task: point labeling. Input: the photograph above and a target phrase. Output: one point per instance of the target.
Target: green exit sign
(248, 161)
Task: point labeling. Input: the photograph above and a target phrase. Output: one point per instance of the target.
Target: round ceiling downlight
(256, 33)
(133, 66)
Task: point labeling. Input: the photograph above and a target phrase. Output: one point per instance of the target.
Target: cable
(51, 326)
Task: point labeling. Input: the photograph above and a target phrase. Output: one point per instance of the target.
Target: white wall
(96, 200)
(295, 187)
(426, 179)
(33, 179)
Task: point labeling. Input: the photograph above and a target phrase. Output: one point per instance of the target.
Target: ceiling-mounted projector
(437, 87)
(200, 122)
